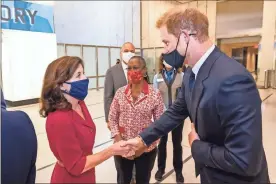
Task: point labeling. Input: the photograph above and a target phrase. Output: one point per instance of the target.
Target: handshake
(135, 147)
(129, 149)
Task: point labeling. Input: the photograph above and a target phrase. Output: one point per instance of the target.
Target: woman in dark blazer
(168, 81)
(70, 128)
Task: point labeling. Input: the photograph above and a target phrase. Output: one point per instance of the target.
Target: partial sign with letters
(26, 16)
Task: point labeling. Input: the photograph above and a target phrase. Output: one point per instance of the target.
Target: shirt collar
(203, 58)
(124, 65)
(145, 88)
(167, 72)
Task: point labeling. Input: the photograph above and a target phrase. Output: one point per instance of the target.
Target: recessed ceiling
(233, 18)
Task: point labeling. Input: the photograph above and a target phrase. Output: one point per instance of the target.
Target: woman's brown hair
(57, 72)
(161, 65)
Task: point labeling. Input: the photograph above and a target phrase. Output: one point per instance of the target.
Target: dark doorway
(256, 63)
(239, 54)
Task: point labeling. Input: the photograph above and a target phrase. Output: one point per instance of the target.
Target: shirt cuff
(114, 132)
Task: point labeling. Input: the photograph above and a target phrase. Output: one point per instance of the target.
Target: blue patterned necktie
(169, 75)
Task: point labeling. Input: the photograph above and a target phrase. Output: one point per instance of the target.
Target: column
(266, 49)
(211, 7)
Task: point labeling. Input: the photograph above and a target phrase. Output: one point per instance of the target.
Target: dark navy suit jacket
(226, 108)
(18, 147)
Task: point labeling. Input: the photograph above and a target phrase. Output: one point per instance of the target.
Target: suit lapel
(121, 74)
(202, 75)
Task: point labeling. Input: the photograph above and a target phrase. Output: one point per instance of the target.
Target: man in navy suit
(222, 100)
(19, 147)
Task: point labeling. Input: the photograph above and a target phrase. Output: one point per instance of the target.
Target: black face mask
(175, 59)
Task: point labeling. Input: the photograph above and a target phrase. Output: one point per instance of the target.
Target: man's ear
(185, 34)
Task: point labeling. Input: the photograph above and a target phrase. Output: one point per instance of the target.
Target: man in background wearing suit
(222, 100)
(115, 78)
(18, 147)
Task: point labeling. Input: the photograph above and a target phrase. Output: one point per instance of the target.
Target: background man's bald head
(128, 47)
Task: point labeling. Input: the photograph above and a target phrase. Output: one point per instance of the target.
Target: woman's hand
(118, 138)
(119, 150)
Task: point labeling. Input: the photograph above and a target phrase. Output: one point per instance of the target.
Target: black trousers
(117, 166)
(143, 165)
(177, 150)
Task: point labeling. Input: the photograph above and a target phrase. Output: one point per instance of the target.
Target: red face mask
(135, 76)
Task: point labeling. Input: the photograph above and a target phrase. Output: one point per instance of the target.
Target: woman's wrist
(111, 151)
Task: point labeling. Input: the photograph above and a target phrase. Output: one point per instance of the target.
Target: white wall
(239, 18)
(24, 60)
(106, 23)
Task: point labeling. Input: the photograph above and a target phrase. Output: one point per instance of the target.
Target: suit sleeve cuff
(142, 141)
(114, 133)
(200, 152)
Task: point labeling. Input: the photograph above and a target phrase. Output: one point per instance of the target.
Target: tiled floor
(94, 101)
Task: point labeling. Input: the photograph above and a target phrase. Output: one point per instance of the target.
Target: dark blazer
(114, 79)
(19, 147)
(226, 108)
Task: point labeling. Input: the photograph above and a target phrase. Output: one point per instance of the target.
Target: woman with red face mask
(131, 111)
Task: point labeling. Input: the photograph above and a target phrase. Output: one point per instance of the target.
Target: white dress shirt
(125, 69)
(203, 58)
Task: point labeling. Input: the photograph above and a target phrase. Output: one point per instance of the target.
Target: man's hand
(108, 126)
(136, 145)
(118, 150)
(193, 135)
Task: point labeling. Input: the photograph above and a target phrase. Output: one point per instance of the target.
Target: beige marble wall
(266, 53)
(152, 10)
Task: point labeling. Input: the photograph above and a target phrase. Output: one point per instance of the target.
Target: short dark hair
(118, 61)
(57, 72)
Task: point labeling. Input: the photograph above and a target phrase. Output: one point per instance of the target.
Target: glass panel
(101, 82)
(149, 56)
(89, 58)
(92, 83)
(158, 53)
(73, 50)
(115, 54)
(103, 61)
(60, 50)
